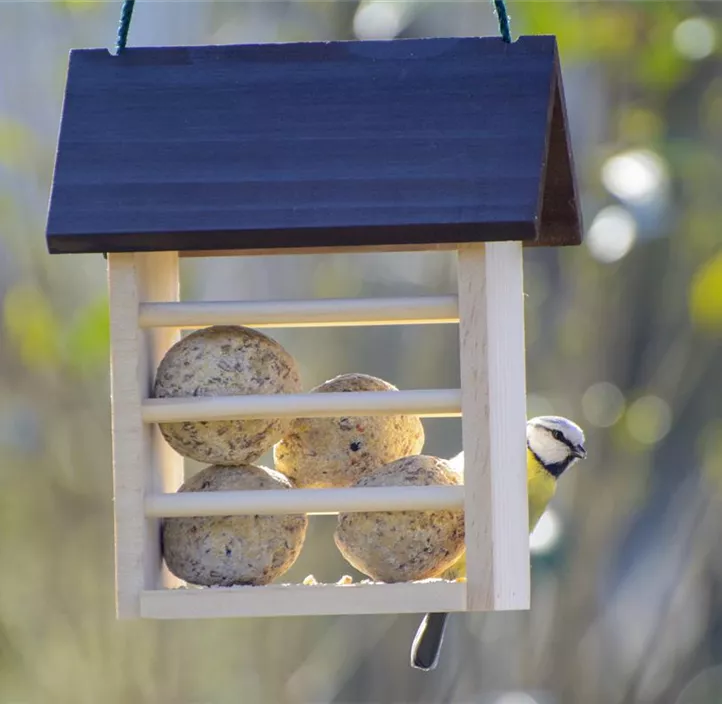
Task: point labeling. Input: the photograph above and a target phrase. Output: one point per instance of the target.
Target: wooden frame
(143, 462)
(145, 318)
(420, 144)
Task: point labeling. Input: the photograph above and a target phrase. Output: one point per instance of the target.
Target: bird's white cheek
(559, 455)
(552, 452)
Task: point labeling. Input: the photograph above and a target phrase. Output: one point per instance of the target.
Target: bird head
(556, 442)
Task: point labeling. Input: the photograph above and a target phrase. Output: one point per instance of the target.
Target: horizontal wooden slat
(428, 403)
(311, 501)
(303, 600)
(324, 312)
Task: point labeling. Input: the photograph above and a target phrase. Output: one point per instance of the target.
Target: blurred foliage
(32, 326)
(623, 334)
(706, 295)
(16, 144)
(80, 345)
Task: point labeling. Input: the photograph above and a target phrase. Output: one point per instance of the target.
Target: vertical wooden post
(493, 398)
(142, 460)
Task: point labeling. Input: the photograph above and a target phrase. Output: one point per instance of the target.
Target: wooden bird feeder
(417, 144)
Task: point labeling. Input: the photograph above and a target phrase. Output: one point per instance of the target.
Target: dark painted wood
(561, 222)
(339, 144)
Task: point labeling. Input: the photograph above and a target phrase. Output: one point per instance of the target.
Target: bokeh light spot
(546, 533)
(649, 419)
(705, 302)
(515, 698)
(603, 404)
(694, 38)
(380, 19)
(612, 234)
(636, 176)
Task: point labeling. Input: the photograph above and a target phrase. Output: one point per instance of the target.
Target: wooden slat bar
(310, 501)
(303, 600)
(324, 312)
(428, 403)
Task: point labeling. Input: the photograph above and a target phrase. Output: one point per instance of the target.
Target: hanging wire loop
(126, 14)
(503, 16)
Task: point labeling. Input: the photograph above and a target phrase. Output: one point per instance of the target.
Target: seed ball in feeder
(228, 550)
(401, 546)
(225, 360)
(336, 452)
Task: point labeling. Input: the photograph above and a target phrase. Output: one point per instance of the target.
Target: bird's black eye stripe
(559, 435)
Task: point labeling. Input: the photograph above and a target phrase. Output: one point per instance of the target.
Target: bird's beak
(580, 452)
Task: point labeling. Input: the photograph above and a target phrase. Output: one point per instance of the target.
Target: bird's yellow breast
(540, 486)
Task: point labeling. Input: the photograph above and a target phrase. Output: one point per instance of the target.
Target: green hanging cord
(126, 14)
(503, 16)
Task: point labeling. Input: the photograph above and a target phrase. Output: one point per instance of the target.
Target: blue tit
(553, 445)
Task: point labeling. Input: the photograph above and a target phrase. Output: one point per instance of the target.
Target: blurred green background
(623, 335)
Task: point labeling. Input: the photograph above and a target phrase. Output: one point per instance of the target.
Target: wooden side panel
(397, 144)
(494, 425)
(143, 462)
(561, 217)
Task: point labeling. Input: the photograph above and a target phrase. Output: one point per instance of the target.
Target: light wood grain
(507, 388)
(303, 600)
(310, 501)
(332, 249)
(493, 391)
(492, 395)
(143, 462)
(323, 312)
(429, 403)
